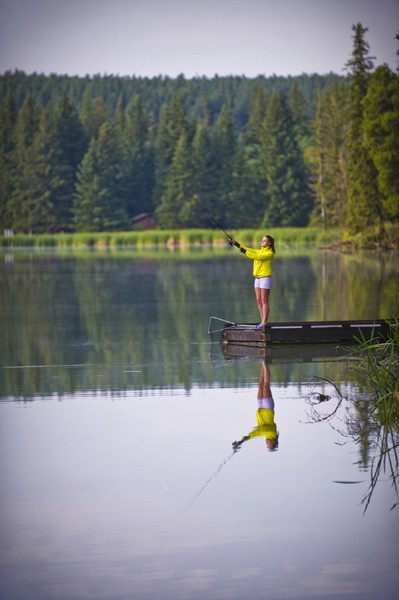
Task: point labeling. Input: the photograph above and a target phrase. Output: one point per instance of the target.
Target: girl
(262, 272)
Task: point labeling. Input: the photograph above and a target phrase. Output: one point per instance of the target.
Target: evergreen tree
(364, 208)
(331, 182)
(99, 200)
(248, 155)
(27, 124)
(177, 204)
(203, 176)
(68, 146)
(249, 198)
(381, 134)
(299, 114)
(224, 148)
(139, 160)
(93, 114)
(8, 116)
(31, 204)
(257, 113)
(250, 180)
(289, 199)
(171, 125)
(120, 120)
(204, 111)
(163, 153)
(24, 209)
(177, 121)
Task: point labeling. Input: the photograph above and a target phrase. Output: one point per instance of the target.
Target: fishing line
(208, 481)
(212, 218)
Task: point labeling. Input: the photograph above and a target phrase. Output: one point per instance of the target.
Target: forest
(93, 154)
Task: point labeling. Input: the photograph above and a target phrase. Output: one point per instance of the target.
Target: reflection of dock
(295, 353)
(310, 332)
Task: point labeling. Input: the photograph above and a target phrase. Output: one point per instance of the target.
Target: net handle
(210, 330)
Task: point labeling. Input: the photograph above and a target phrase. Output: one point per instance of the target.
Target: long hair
(271, 240)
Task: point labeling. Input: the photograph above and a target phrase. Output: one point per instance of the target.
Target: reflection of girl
(264, 415)
(262, 272)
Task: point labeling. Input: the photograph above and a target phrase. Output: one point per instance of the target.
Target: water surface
(118, 416)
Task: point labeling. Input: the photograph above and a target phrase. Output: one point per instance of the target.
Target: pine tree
(177, 204)
(289, 199)
(257, 113)
(202, 176)
(68, 146)
(99, 200)
(93, 114)
(224, 148)
(27, 207)
(8, 116)
(381, 134)
(31, 202)
(364, 208)
(249, 184)
(171, 124)
(163, 153)
(251, 197)
(139, 160)
(331, 181)
(299, 114)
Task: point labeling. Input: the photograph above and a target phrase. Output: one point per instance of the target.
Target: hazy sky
(193, 37)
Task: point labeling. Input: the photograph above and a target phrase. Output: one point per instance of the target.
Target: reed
(372, 419)
(376, 425)
(290, 236)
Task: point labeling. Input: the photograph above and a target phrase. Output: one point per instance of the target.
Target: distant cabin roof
(141, 217)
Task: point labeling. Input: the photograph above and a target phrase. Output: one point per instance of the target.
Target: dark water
(117, 416)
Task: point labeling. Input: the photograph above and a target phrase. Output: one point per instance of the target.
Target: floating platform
(309, 332)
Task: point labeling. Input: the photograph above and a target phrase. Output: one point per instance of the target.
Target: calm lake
(118, 414)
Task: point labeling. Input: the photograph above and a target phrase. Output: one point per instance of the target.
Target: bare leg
(259, 302)
(262, 298)
(264, 390)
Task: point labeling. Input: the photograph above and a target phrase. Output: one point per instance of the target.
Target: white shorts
(266, 403)
(265, 283)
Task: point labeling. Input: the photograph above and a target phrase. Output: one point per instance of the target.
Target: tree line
(90, 154)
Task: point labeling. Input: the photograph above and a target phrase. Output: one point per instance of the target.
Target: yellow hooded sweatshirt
(262, 258)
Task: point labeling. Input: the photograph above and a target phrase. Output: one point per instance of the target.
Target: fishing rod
(213, 219)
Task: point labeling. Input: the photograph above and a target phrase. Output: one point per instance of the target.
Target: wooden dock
(309, 332)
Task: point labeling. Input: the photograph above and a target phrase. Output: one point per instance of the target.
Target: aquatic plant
(371, 419)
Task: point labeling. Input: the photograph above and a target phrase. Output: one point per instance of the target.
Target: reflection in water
(372, 424)
(90, 321)
(266, 425)
(93, 488)
(264, 415)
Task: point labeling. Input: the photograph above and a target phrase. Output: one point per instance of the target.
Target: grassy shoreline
(210, 238)
(168, 238)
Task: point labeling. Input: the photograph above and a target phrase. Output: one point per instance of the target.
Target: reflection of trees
(383, 274)
(92, 321)
(342, 280)
(295, 282)
(39, 317)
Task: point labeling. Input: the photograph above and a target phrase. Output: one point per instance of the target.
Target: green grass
(170, 238)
